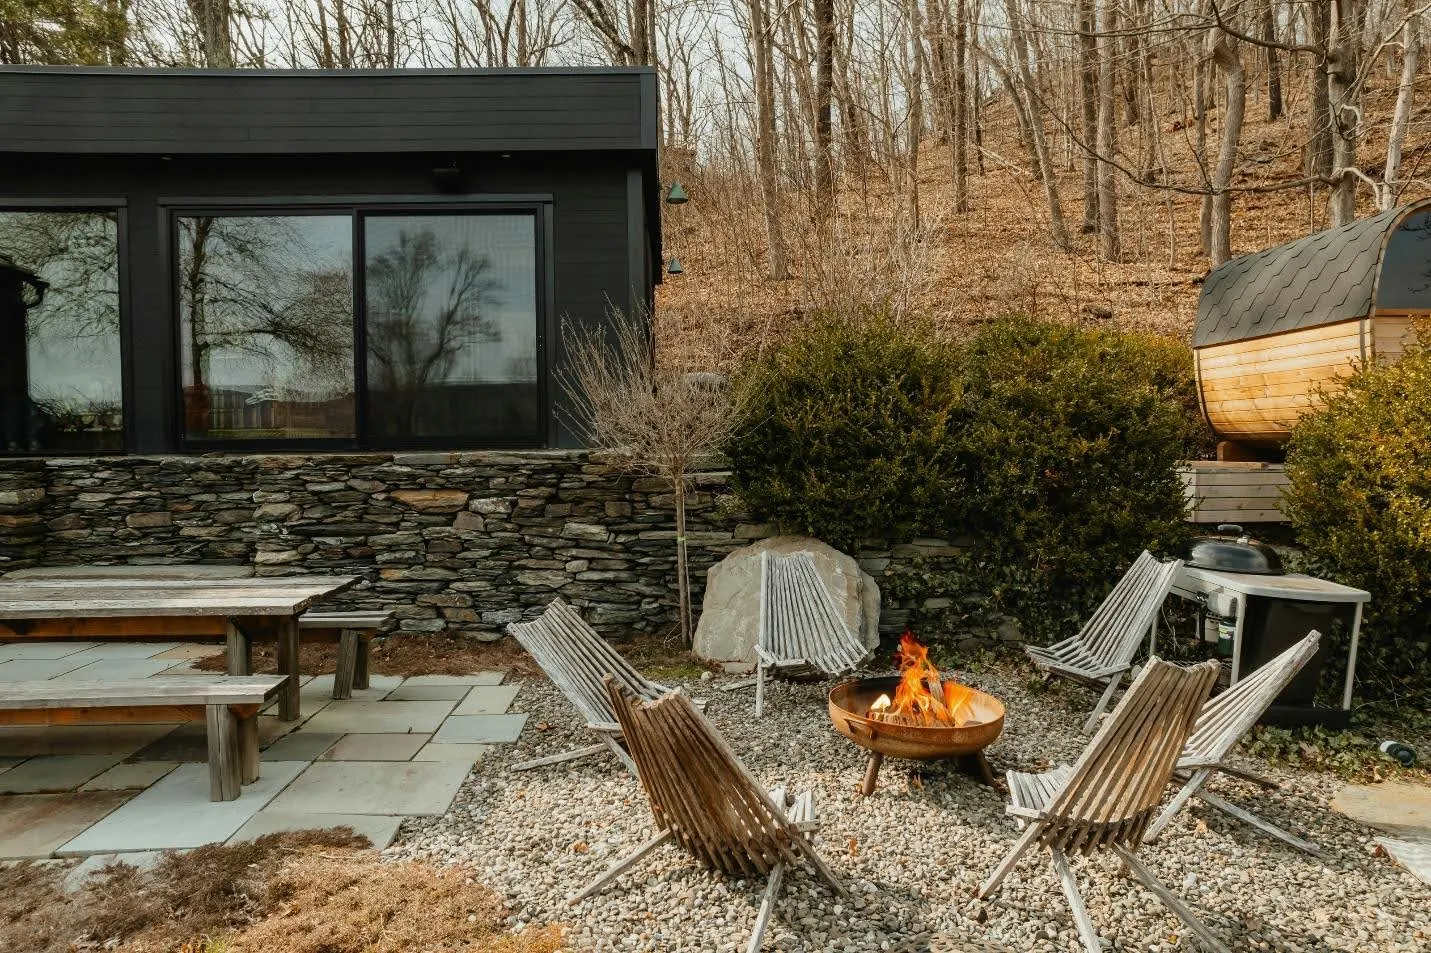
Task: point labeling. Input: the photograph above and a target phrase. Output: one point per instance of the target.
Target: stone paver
(378, 828)
(1394, 806)
(478, 678)
(320, 688)
(123, 777)
(483, 729)
(177, 812)
(101, 670)
(55, 773)
(408, 692)
(380, 717)
(7, 763)
(190, 742)
(300, 746)
(374, 787)
(376, 747)
(182, 652)
(34, 825)
(34, 670)
(487, 700)
(122, 740)
(118, 650)
(93, 864)
(469, 753)
(41, 650)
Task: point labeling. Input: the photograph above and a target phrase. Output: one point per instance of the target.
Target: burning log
(923, 698)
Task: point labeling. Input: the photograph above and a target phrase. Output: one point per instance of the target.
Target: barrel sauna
(1276, 328)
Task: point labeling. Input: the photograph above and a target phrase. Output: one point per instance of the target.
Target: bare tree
(1391, 184)
(1224, 52)
(1108, 239)
(651, 417)
(1027, 90)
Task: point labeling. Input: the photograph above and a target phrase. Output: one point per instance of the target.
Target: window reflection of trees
(73, 398)
(267, 300)
(1405, 280)
(426, 304)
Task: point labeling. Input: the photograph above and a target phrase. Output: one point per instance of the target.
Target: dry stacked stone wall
(452, 542)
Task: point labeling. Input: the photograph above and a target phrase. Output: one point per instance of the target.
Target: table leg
(288, 665)
(238, 649)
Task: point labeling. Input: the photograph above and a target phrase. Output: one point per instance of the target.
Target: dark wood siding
(154, 112)
(591, 250)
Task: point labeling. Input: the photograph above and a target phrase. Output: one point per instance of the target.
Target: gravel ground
(912, 854)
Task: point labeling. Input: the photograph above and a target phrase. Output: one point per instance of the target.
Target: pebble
(912, 854)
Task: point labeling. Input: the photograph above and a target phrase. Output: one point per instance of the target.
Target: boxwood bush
(847, 433)
(1360, 504)
(1054, 447)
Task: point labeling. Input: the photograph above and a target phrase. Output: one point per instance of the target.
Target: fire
(922, 698)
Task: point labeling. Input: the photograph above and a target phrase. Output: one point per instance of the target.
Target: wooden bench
(352, 631)
(229, 706)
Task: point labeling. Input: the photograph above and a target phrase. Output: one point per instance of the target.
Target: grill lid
(1234, 551)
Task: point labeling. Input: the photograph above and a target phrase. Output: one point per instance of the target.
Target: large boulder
(730, 612)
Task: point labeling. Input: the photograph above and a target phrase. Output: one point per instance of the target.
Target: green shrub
(848, 431)
(1077, 436)
(1055, 448)
(1360, 504)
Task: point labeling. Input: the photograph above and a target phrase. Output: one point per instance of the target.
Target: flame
(922, 698)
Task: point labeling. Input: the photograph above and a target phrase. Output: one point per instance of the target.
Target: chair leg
(1266, 827)
(1025, 840)
(572, 755)
(759, 689)
(1081, 919)
(347, 665)
(1091, 725)
(1184, 913)
(224, 771)
(767, 906)
(616, 869)
(1198, 779)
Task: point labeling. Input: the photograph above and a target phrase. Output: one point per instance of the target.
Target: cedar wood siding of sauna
(1276, 326)
(580, 145)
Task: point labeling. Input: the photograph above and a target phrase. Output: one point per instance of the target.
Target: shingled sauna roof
(1321, 279)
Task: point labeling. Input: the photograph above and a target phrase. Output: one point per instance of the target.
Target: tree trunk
(1107, 139)
(1204, 219)
(824, 106)
(1027, 87)
(1343, 94)
(915, 92)
(1274, 63)
(1318, 160)
(212, 17)
(1401, 117)
(765, 147)
(1223, 51)
(959, 132)
(1088, 101)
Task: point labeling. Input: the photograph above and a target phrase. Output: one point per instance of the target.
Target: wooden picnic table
(163, 604)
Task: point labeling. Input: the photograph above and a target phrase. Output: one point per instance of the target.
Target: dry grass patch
(301, 892)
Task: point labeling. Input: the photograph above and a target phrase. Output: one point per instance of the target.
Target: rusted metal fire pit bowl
(849, 707)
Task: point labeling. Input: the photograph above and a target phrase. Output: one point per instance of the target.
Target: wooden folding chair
(1108, 797)
(576, 659)
(801, 632)
(705, 800)
(1220, 726)
(1103, 651)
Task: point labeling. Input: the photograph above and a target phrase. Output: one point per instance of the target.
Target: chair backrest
(799, 620)
(698, 788)
(1226, 718)
(1117, 627)
(576, 659)
(1115, 786)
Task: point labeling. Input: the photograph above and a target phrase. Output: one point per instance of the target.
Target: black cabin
(312, 260)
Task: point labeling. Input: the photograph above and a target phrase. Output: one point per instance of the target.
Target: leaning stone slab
(730, 614)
